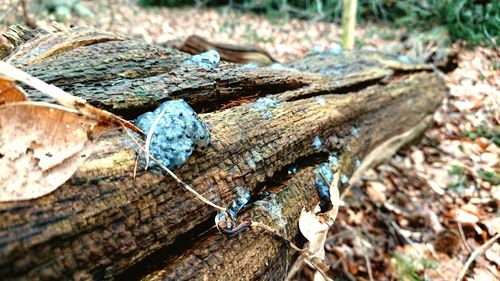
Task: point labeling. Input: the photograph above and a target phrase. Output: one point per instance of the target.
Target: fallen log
(104, 223)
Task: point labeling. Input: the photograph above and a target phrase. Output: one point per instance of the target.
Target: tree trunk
(105, 223)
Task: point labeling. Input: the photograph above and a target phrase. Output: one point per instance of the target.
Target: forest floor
(419, 216)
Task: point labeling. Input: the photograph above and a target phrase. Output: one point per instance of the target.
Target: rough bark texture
(104, 223)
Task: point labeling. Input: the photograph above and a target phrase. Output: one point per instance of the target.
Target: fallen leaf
(10, 92)
(492, 225)
(314, 225)
(314, 231)
(463, 216)
(376, 192)
(41, 146)
(493, 254)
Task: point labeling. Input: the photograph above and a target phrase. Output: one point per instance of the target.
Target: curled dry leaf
(314, 225)
(10, 92)
(41, 146)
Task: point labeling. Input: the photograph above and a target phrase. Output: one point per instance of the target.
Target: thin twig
(150, 134)
(368, 263)
(462, 235)
(26, 18)
(357, 235)
(189, 188)
(293, 246)
(347, 273)
(474, 255)
(296, 267)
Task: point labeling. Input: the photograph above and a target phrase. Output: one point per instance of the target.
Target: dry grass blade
(151, 131)
(318, 264)
(64, 98)
(474, 255)
(189, 188)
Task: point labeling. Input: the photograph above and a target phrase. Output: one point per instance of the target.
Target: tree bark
(105, 223)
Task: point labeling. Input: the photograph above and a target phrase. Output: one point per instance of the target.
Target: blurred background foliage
(476, 22)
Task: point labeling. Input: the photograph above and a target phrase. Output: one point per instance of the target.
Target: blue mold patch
(357, 163)
(334, 160)
(344, 179)
(237, 204)
(335, 50)
(404, 59)
(279, 66)
(226, 221)
(355, 132)
(274, 209)
(293, 170)
(253, 160)
(208, 59)
(317, 49)
(178, 133)
(320, 100)
(250, 66)
(264, 106)
(316, 143)
(323, 188)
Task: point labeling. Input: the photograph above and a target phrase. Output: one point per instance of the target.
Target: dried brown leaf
(10, 92)
(41, 146)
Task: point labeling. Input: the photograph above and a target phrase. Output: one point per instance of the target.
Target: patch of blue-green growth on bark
(316, 144)
(320, 100)
(250, 66)
(279, 66)
(177, 134)
(344, 178)
(253, 159)
(334, 160)
(317, 49)
(208, 59)
(357, 163)
(274, 209)
(355, 132)
(323, 179)
(264, 107)
(335, 50)
(293, 170)
(242, 198)
(404, 59)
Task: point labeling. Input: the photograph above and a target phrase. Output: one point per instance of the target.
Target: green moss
(491, 177)
(490, 133)
(410, 268)
(457, 170)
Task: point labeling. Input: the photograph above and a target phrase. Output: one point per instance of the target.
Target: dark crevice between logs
(212, 102)
(223, 102)
(158, 259)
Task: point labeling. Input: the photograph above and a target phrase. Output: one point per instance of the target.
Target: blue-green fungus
(323, 179)
(177, 134)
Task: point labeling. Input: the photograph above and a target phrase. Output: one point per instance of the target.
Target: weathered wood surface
(104, 222)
